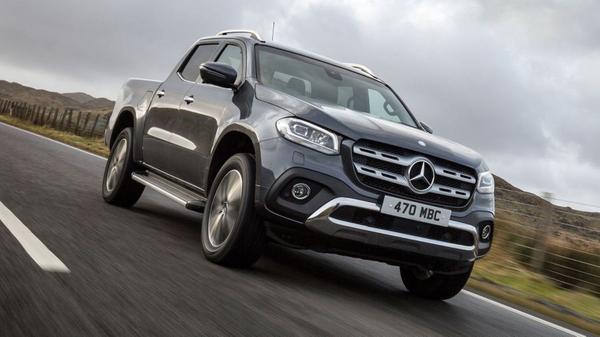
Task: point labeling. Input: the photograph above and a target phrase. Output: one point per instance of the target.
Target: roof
(255, 39)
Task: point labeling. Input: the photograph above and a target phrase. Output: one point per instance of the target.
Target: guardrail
(85, 124)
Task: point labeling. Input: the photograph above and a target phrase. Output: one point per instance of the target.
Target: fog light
(300, 191)
(486, 231)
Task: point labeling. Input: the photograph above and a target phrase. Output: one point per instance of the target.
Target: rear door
(158, 141)
(211, 107)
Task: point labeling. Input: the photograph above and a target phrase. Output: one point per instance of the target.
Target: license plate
(407, 209)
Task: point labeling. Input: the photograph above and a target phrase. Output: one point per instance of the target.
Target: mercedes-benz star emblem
(420, 176)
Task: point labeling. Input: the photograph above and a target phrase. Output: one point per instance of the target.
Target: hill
(77, 100)
(80, 97)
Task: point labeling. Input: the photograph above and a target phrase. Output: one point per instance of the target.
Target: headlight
(309, 135)
(485, 183)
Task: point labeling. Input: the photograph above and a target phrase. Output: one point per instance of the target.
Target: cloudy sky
(518, 81)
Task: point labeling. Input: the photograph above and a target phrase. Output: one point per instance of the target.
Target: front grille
(383, 167)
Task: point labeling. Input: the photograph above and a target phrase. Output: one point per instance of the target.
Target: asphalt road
(141, 272)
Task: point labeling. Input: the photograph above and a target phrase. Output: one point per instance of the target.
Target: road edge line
(524, 314)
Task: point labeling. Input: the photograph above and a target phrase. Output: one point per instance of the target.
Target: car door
(201, 117)
(158, 142)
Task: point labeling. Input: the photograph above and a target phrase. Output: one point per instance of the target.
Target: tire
(232, 234)
(117, 186)
(436, 286)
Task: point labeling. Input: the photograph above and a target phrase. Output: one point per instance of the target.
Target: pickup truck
(274, 144)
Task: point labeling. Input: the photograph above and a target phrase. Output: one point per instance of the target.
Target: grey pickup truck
(276, 144)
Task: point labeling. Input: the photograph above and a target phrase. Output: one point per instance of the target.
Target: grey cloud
(515, 80)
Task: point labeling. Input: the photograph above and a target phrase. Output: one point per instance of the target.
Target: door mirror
(426, 127)
(220, 74)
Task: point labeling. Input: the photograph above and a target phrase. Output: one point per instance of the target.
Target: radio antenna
(273, 32)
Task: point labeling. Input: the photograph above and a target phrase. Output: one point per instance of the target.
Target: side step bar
(181, 195)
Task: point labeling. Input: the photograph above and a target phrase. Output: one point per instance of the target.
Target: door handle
(188, 99)
(160, 93)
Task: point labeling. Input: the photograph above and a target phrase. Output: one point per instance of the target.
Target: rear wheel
(117, 186)
(433, 286)
(232, 234)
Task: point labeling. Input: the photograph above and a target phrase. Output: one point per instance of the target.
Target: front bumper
(318, 222)
(324, 221)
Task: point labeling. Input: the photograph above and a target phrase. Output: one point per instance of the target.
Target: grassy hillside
(76, 101)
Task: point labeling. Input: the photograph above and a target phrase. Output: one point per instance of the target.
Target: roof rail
(252, 33)
(361, 68)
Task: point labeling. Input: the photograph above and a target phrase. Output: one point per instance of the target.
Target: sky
(518, 81)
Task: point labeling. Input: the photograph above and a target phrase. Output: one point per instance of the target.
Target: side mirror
(426, 127)
(220, 74)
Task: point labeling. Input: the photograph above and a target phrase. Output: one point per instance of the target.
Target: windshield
(322, 83)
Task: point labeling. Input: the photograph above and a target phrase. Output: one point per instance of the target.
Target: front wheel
(433, 286)
(232, 234)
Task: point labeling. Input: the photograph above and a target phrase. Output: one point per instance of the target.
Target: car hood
(357, 125)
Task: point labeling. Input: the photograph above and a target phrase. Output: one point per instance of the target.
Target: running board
(181, 195)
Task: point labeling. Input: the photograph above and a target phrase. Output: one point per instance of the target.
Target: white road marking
(519, 312)
(479, 297)
(52, 140)
(32, 245)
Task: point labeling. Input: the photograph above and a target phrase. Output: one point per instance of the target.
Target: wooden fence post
(94, 126)
(78, 120)
(544, 229)
(30, 109)
(36, 113)
(24, 110)
(85, 123)
(69, 120)
(62, 119)
(53, 125)
(27, 111)
(43, 118)
(48, 116)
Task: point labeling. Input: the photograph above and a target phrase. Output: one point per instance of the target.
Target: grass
(499, 275)
(94, 145)
(502, 276)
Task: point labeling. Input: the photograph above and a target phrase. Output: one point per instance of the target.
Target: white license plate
(407, 209)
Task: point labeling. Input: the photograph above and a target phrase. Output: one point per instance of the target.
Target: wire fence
(85, 124)
(560, 243)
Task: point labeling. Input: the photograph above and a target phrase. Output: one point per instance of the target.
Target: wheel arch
(234, 139)
(126, 118)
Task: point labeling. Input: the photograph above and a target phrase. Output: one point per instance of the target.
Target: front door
(200, 119)
(159, 145)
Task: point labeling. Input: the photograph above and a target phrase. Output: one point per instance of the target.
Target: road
(141, 272)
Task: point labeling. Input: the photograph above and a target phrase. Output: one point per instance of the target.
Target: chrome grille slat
(380, 169)
(456, 175)
(383, 156)
(401, 180)
(381, 174)
(407, 160)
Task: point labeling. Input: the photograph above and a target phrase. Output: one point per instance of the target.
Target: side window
(232, 55)
(379, 107)
(202, 53)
